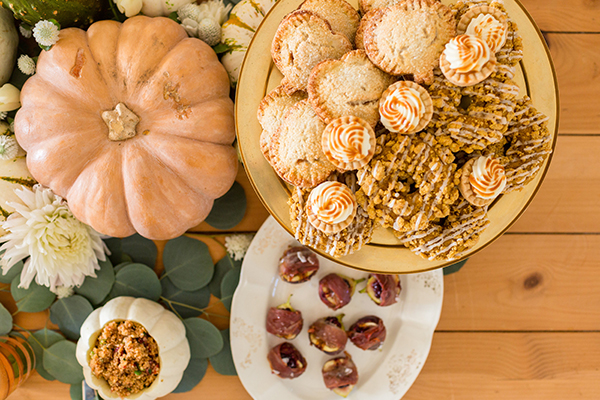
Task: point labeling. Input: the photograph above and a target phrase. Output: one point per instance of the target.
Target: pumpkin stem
(121, 123)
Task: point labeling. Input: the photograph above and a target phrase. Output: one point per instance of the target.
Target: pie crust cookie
(348, 143)
(342, 17)
(467, 60)
(409, 37)
(334, 90)
(405, 107)
(303, 39)
(296, 151)
(367, 5)
(331, 207)
(271, 111)
(483, 179)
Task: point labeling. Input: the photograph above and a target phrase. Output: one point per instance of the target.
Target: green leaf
(228, 286)
(229, 209)
(60, 361)
(36, 298)
(46, 338)
(221, 48)
(12, 273)
(69, 314)
(174, 16)
(116, 250)
(126, 258)
(96, 289)
(76, 392)
(455, 267)
(188, 263)
(222, 267)
(196, 299)
(136, 280)
(123, 264)
(223, 361)
(140, 249)
(6, 321)
(204, 338)
(192, 375)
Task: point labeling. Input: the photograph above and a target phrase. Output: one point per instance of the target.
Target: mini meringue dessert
(348, 142)
(405, 107)
(487, 23)
(467, 60)
(483, 179)
(331, 207)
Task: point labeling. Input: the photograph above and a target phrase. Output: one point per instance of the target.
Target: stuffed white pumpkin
(237, 32)
(9, 40)
(151, 8)
(162, 325)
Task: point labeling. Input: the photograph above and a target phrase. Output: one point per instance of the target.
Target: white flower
(190, 26)
(209, 31)
(62, 250)
(214, 9)
(63, 291)
(237, 245)
(46, 33)
(129, 7)
(10, 97)
(26, 32)
(191, 11)
(8, 148)
(3, 115)
(26, 64)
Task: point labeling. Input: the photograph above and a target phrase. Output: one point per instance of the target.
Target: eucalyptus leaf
(140, 249)
(192, 375)
(126, 258)
(96, 289)
(224, 265)
(455, 267)
(136, 280)
(60, 361)
(120, 266)
(204, 338)
(39, 341)
(229, 209)
(197, 299)
(188, 263)
(76, 392)
(223, 361)
(35, 298)
(228, 286)
(69, 314)
(6, 321)
(116, 250)
(12, 273)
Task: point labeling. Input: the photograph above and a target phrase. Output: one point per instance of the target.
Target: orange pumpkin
(132, 123)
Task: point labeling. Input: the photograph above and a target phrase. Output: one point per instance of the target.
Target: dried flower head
(237, 245)
(63, 291)
(25, 31)
(8, 148)
(26, 64)
(209, 31)
(46, 33)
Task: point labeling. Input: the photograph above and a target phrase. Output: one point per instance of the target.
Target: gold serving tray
(536, 78)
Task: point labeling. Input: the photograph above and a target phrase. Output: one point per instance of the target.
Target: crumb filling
(126, 356)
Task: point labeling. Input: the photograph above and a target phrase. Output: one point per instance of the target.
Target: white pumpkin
(167, 330)
(151, 8)
(237, 32)
(9, 40)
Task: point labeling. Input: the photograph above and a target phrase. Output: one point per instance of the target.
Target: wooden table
(522, 319)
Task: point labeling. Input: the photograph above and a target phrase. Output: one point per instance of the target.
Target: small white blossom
(214, 9)
(25, 32)
(26, 64)
(46, 33)
(191, 11)
(237, 245)
(8, 148)
(209, 31)
(10, 97)
(3, 115)
(190, 26)
(60, 250)
(63, 291)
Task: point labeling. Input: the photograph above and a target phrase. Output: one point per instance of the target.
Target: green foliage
(222, 362)
(140, 249)
(186, 304)
(136, 280)
(39, 341)
(35, 298)
(228, 286)
(455, 267)
(76, 392)
(224, 265)
(116, 250)
(188, 263)
(6, 321)
(69, 314)
(12, 273)
(229, 209)
(192, 375)
(204, 338)
(124, 264)
(60, 361)
(96, 289)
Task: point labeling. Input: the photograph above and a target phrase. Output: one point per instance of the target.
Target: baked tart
(405, 107)
(331, 207)
(467, 60)
(488, 23)
(483, 179)
(348, 143)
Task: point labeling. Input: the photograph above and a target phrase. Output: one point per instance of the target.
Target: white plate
(386, 373)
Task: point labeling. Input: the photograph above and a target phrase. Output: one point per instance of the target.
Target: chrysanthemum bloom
(46, 33)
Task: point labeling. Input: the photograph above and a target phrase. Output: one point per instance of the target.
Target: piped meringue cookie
(486, 22)
(405, 107)
(348, 142)
(467, 60)
(331, 207)
(483, 179)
